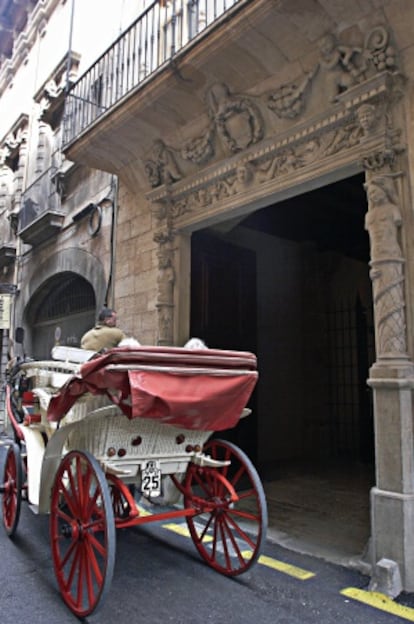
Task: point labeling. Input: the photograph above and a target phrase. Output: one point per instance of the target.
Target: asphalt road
(160, 578)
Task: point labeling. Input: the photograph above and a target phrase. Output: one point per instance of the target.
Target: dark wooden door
(223, 311)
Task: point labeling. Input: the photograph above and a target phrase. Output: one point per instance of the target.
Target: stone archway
(68, 262)
(61, 310)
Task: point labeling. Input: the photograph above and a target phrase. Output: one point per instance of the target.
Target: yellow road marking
(379, 601)
(286, 568)
(143, 512)
(181, 529)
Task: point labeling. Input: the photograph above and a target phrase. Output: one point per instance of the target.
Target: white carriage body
(95, 424)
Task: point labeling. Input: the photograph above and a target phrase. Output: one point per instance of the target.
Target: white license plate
(151, 478)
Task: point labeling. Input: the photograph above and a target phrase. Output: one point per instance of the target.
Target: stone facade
(334, 102)
(275, 101)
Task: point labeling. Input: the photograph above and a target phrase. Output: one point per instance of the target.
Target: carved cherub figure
(345, 64)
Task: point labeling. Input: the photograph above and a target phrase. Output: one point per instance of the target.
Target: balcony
(118, 106)
(41, 215)
(7, 254)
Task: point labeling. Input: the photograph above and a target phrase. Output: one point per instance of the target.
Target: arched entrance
(65, 301)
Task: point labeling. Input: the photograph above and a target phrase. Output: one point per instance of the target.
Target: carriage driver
(105, 334)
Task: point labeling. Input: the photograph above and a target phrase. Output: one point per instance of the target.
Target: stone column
(391, 378)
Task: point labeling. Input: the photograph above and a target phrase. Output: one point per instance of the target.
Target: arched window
(67, 294)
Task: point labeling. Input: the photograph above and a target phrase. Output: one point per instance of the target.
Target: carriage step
(205, 460)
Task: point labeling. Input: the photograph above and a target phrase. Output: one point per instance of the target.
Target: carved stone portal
(237, 122)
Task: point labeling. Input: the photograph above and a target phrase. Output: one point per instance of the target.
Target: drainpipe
(109, 295)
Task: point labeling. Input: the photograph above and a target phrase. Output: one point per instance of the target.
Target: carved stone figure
(345, 65)
(166, 277)
(383, 221)
(367, 118)
(162, 169)
(286, 161)
(153, 173)
(244, 177)
(165, 324)
(166, 281)
(354, 132)
(204, 196)
(383, 218)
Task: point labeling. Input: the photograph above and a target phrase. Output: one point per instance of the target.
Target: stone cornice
(19, 125)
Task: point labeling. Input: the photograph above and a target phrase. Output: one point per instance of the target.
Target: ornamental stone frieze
(347, 76)
(358, 128)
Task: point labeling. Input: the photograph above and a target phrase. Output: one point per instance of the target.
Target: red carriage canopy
(196, 389)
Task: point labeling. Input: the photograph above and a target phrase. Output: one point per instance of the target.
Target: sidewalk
(322, 511)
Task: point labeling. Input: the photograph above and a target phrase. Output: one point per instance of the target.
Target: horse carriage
(95, 440)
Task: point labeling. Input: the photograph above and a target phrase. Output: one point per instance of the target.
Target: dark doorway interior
(223, 309)
(291, 283)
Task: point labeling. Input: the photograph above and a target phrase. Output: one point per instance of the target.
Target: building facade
(241, 171)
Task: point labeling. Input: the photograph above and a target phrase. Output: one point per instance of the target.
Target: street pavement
(160, 578)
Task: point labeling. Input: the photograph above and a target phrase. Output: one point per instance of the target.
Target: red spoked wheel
(82, 532)
(230, 527)
(120, 505)
(122, 497)
(12, 489)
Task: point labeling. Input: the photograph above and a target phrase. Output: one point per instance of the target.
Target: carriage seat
(71, 354)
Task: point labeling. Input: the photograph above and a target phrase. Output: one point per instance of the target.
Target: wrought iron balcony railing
(160, 33)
